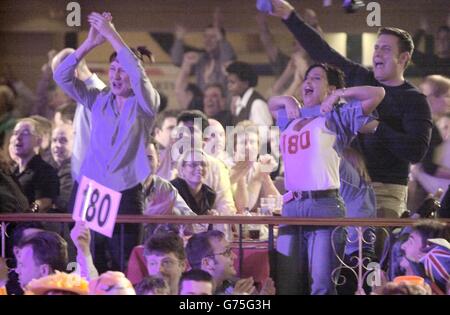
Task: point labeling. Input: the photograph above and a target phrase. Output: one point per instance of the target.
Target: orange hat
(410, 280)
(59, 281)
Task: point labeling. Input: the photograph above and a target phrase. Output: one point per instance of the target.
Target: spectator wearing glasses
(165, 258)
(190, 182)
(211, 252)
(190, 133)
(161, 197)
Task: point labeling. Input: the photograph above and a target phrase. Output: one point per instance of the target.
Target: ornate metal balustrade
(360, 268)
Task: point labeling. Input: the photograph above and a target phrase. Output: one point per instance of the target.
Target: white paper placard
(97, 205)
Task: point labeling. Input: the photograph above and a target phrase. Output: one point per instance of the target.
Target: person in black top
(401, 135)
(190, 183)
(38, 179)
(247, 103)
(61, 149)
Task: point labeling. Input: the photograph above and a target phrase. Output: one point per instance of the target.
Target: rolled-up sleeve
(347, 120)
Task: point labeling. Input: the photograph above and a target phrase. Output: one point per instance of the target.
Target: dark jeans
(113, 253)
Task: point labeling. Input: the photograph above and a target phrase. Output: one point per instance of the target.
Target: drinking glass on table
(268, 205)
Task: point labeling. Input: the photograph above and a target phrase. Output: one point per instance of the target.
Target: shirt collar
(245, 97)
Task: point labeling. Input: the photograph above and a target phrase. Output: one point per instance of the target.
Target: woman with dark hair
(122, 117)
(311, 147)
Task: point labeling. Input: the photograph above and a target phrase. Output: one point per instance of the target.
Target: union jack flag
(437, 265)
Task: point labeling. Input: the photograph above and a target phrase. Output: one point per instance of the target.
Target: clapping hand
(268, 287)
(244, 286)
(102, 25)
(267, 164)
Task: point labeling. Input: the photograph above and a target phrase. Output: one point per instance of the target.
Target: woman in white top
(311, 145)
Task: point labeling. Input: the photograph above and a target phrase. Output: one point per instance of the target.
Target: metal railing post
(241, 249)
(3, 239)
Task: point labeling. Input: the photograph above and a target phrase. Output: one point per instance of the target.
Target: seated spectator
(61, 148)
(161, 197)
(40, 254)
(189, 135)
(436, 264)
(190, 182)
(59, 283)
(196, 282)
(217, 52)
(214, 104)
(18, 231)
(215, 142)
(433, 172)
(165, 258)
(165, 122)
(111, 283)
(417, 253)
(250, 173)
(38, 180)
(248, 104)
(211, 252)
(152, 286)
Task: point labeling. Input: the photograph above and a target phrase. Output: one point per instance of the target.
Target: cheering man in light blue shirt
(122, 117)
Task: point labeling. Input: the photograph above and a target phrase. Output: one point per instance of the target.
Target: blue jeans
(306, 260)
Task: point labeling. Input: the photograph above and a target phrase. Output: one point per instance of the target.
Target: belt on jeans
(316, 194)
